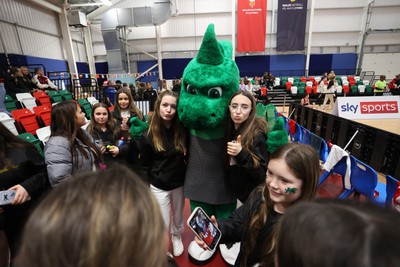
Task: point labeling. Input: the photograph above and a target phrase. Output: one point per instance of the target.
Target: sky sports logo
(377, 107)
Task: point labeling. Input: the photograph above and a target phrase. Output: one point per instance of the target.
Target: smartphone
(203, 227)
(6, 197)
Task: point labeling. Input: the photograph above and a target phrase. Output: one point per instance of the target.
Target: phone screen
(202, 226)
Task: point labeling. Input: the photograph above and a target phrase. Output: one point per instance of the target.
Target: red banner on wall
(251, 25)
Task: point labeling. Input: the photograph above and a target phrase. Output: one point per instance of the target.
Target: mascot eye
(191, 90)
(215, 92)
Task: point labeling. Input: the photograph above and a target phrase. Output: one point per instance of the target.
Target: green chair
(86, 107)
(368, 88)
(354, 89)
(55, 96)
(66, 95)
(10, 103)
(33, 140)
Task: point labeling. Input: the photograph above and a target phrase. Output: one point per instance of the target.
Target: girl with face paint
(292, 176)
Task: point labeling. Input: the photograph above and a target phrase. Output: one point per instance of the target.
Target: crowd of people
(102, 190)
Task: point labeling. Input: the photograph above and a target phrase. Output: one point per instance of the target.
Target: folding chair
(297, 136)
(384, 193)
(44, 114)
(86, 107)
(305, 135)
(10, 103)
(92, 100)
(341, 162)
(66, 95)
(42, 98)
(55, 96)
(26, 120)
(363, 180)
(8, 122)
(43, 134)
(33, 140)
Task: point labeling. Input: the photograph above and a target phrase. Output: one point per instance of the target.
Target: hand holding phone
(6, 197)
(204, 228)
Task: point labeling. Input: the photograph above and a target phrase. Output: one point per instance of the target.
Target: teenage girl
(246, 147)
(70, 149)
(22, 169)
(162, 156)
(124, 109)
(107, 134)
(292, 177)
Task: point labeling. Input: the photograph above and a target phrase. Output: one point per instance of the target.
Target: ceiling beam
(47, 5)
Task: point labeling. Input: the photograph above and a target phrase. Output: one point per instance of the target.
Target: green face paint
(290, 190)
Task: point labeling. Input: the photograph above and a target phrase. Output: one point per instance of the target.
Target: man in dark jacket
(151, 95)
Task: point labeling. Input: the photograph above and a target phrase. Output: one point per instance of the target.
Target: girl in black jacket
(107, 134)
(162, 157)
(246, 145)
(292, 176)
(22, 169)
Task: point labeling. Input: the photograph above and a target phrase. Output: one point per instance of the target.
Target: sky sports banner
(364, 108)
(291, 26)
(251, 25)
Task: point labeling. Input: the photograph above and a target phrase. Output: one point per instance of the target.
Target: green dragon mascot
(208, 82)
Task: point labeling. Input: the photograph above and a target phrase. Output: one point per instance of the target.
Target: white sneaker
(230, 254)
(177, 245)
(198, 255)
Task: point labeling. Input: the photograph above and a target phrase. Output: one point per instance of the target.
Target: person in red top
(42, 81)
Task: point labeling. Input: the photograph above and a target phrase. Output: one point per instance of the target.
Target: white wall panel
(80, 52)
(23, 13)
(385, 18)
(222, 23)
(342, 4)
(387, 64)
(210, 6)
(333, 20)
(10, 38)
(41, 45)
(185, 6)
(181, 44)
(383, 38)
(173, 27)
(335, 39)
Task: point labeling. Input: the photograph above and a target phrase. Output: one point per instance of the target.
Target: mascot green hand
(137, 128)
(277, 136)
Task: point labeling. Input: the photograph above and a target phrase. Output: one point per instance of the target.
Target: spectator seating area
(31, 114)
(362, 179)
(347, 85)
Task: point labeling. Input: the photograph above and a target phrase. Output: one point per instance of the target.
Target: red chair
(26, 120)
(308, 89)
(346, 89)
(303, 79)
(288, 86)
(42, 98)
(315, 89)
(44, 114)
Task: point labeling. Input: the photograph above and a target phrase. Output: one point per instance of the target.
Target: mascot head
(208, 82)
